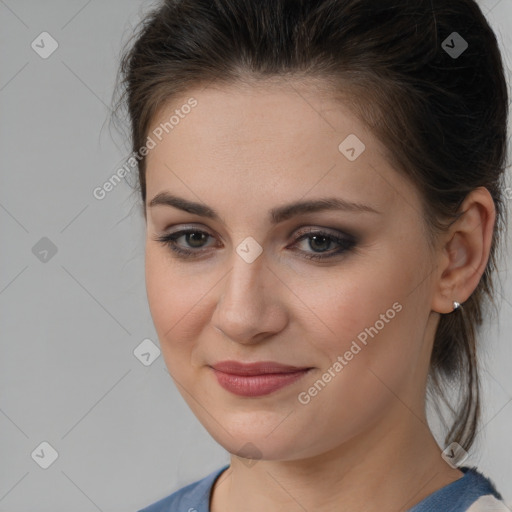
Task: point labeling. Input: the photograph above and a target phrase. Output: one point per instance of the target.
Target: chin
(261, 441)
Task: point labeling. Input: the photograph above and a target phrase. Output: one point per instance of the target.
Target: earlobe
(466, 251)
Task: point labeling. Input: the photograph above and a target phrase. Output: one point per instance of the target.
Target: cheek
(175, 305)
(344, 303)
(368, 350)
(369, 317)
(160, 299)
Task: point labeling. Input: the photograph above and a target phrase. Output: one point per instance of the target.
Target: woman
(322, 188)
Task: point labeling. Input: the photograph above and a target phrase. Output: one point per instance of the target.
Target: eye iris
(314, 239)
(191, 240)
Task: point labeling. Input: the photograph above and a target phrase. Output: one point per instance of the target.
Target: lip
(256, 379)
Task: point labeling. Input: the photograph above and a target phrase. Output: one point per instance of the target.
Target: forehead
(273, 141)
(283, 114)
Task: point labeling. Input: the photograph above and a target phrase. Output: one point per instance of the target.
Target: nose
(250, 308)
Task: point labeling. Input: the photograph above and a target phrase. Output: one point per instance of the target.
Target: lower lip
(256, 385)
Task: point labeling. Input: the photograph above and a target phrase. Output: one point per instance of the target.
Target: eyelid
(330, 231)
(190, 227)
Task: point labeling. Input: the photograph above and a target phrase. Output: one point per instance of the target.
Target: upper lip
(257, 368)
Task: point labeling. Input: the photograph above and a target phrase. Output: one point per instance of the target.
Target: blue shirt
(471, 493)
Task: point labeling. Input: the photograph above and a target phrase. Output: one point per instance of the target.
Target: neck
(391, 467)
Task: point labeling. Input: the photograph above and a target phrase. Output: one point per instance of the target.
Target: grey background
(70, 324)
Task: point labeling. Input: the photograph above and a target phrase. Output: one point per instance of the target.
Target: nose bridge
(248, 262)
(244, 287)
(246, 296)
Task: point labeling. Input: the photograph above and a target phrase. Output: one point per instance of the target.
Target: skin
(363, 441)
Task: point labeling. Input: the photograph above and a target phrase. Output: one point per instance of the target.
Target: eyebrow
(277, 215)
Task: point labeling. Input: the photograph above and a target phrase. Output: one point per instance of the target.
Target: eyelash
(170, 240)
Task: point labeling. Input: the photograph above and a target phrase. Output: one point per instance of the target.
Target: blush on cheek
(165, 307)
(176, 306)
(344, 313)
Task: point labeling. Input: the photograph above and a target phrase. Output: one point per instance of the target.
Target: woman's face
(246, 289)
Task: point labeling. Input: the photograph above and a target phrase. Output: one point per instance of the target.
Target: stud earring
(456, 305)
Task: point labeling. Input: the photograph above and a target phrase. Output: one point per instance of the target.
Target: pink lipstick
(256, 379)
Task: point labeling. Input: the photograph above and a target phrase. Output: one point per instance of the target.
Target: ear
(464, 251)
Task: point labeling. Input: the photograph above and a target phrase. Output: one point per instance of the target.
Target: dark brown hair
(442, 117)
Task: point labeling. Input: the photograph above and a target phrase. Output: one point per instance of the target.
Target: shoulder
(194, 497)
(488, 503)
(471, 493)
